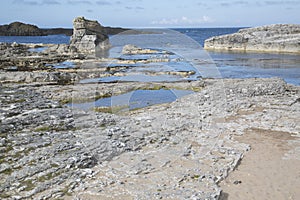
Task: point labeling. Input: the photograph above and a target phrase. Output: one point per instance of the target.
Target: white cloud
(183, 21)
(34, 3)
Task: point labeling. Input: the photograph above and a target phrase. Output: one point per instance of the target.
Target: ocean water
(135, 99)
(188, 44)
(201, 34)
(50, 39)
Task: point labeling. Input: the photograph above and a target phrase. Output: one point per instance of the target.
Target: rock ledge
(278, 38)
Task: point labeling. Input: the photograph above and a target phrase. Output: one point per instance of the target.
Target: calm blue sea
(50, 39)
(198, 34)
(230, 65)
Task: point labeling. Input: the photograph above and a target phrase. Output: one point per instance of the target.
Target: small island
(278, 38)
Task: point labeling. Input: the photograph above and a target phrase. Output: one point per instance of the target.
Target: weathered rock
(18, 57)
(185, 148)
(279, 38)
(132, 49)
(88, 36)
(39, 77)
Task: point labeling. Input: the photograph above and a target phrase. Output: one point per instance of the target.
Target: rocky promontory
(23, 29)
(20, 29)
(278, 38)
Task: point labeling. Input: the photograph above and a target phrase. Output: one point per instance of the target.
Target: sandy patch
(265, 172)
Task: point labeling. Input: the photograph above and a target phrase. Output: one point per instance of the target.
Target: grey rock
(132, 49)
(88, 36)
(39, 77)
(279, 38)
(51, 150)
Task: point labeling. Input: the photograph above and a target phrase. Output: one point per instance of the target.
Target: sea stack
(88, 36)
(278, 38)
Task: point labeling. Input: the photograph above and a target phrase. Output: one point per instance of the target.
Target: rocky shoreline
(278, 38)
(178, 150)
(50, 150)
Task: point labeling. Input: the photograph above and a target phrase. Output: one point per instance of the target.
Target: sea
(228, 65)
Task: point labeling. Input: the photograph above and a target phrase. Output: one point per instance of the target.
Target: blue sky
(152, 13)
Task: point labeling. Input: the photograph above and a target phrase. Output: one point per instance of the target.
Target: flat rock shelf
(279, 38)
(178, 150)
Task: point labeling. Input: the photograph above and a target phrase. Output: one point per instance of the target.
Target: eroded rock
(88, 36)
(279, 38)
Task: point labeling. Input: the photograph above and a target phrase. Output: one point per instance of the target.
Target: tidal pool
(133, 100)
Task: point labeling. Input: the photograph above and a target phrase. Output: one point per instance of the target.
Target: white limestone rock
(88, 36)
(278, 38)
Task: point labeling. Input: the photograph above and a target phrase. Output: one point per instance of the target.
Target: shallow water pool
(134, 100)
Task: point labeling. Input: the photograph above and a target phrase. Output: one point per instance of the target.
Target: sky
(152, 13)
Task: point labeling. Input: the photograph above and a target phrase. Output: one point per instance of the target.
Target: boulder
(88, 36)
(278, 38)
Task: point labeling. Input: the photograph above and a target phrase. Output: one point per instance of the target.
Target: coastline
(190, 148)
(276, 38)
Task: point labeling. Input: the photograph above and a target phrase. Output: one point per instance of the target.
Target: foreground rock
(279, 38)
(88, 36)
(180, 150)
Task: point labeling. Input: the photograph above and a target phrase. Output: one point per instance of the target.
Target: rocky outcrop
(20, 29)
(88, 36)
(279, 38)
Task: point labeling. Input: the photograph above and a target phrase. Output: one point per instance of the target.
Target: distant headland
(23, 29)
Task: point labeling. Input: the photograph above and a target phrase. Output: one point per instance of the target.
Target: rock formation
(279, 38)
(88, 36)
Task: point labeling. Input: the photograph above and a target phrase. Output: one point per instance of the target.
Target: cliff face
(88, 35)
(279, 38)
(20, 29)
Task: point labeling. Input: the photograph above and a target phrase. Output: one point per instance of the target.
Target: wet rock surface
(61, 64)
(278, 38)
(18, 57)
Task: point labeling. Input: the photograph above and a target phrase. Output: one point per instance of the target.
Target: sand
(265, 172)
